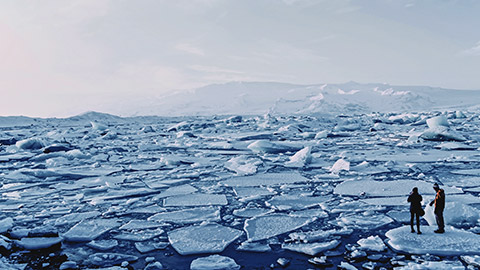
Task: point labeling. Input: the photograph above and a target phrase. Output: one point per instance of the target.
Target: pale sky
(64, 57)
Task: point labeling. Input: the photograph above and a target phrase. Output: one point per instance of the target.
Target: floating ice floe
(340, 165)
(88, 230)
(243, 165)
(138, 235)
(432, 265)
(442, 133)
(471, 260)
(196, 200)
(35, 243)
(452, 242)
(109, 259)
(438, 121)
(251, 193)
(249, 212)
(388, 188)
(311, 249)
(103, 245)
(473, 172)
(76, 217)
(268, 179)
(30, 144)
(294, 202)
(198, 214)
(175, 191)
(6, 224)
(373, 243)
(264, 227)
(301, 159)
(148, 246)
(311, 236)
(368, 221)
(454, 146)
(214, 262)
(254, 247)
(136, 224)
(366, 168)
(209, 238)
(272, 148)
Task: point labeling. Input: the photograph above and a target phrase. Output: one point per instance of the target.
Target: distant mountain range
(283, 98)
(258, 98)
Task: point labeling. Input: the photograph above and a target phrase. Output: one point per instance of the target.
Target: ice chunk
(433, 265)
(268, 179)
(285, 202)
(366, 168)
(321, 135)
(474, 172)
(109, 259)
(137, 236)
(214, 262)
(451, 243)
(252, 193)
(471, 260)
(87, 230)
(251, 212)
(264, 227)
(209, 238)
(318, 213)
(243, 165)
(340, 165)
(373, 243)
(454, 146)
(254, 247)
(6, 224)
(30, 144)
(388, 188)
(141, 224)
(271, 147)
(196, 200)
(311, 249)
(144, 247)
(35, 243)
(193, 215)
(437, 121)
(103, 245)
(316, 235)
(300, 159)
(442, 133)
(177, 190)
(76, 217)
(363, 221)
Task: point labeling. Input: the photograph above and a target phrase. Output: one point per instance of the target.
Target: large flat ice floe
(268, 179)
(264, 227)
(209, 238)
(452, 242)
(388, 188)
(88, 230)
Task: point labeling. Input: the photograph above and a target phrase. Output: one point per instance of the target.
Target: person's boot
(413, 230)
(439, 231)
(418, 230)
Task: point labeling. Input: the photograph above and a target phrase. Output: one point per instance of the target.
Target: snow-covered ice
(214, 262)
(209, 238)
(264, 227)
(452, 242)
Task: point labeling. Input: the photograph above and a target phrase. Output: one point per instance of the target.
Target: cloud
(475, 50)
(213, 69)
(189, 48)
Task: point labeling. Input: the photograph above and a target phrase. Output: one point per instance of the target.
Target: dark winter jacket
(440, 201)
(415, 202)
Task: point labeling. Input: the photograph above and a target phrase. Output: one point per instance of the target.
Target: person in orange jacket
(439, 202)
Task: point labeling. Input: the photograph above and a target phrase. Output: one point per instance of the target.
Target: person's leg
(418, 223)
(411, 220)
(441, 222)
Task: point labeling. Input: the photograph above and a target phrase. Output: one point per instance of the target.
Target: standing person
(415, 200)
(439, 202)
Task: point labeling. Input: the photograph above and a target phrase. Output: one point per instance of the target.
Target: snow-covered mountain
(284, 98)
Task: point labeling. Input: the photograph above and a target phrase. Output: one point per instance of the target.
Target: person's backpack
(421, 212)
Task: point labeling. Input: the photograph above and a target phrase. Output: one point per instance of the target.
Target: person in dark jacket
(439, 202)
(415, 200)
